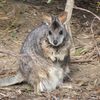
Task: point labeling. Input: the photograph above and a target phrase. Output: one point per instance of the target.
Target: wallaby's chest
(53, 53)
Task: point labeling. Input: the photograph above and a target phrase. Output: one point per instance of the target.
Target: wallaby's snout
(55, 42)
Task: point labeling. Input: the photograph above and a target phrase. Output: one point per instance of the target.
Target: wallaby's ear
(63, 17)
(47, 19)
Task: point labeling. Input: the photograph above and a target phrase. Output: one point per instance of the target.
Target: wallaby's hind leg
(37, 89)
(66, 64)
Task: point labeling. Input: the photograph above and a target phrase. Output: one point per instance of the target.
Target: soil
(18, 18)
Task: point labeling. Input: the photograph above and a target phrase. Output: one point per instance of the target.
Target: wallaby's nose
(55, 42)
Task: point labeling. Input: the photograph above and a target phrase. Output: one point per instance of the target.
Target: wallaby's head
(56, 33)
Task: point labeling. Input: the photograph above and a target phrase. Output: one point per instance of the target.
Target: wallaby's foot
(67, 70)
(38, 93)
(37, 90)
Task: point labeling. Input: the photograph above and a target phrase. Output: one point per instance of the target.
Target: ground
(18, 18)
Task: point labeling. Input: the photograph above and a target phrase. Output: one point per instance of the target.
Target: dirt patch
(18, 18)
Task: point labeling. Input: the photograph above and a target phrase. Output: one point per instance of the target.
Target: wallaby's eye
(50, 33)
(61, 32)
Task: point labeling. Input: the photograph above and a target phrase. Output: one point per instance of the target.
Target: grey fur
(35, 61)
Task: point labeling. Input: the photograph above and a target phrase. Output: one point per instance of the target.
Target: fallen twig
(81, 61)
(6, 89)
(9, 53)
(87, 11)
(3, 94)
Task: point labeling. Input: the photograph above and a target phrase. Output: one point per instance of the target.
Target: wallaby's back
(30, 46)
(32, 42)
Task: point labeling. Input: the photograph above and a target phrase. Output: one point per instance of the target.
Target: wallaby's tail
(11, 80)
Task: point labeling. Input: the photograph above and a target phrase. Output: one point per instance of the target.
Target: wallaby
(45, 56)
(57, 42)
